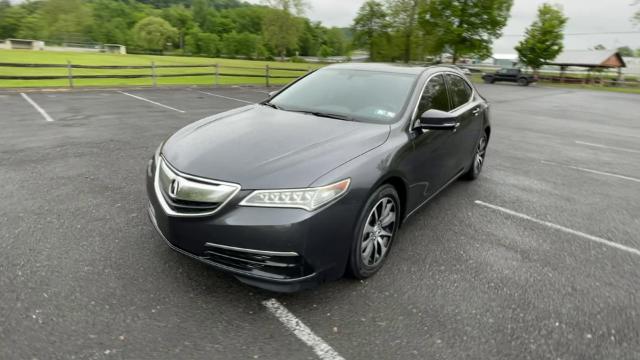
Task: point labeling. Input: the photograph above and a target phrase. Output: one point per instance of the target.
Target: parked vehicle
(318, 178)
(510, 75)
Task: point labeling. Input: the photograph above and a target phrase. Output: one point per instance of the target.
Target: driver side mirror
(438, 120)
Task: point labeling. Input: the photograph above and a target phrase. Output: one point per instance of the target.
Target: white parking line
(37, 107)
(592, 171)
(291, 322)
(226, 97)
(250, 89)
(608, 147)
(562, 228)
(151, 101)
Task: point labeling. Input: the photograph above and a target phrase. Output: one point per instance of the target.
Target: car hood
(260, 147)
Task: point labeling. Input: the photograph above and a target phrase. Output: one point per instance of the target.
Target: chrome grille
(186, 195)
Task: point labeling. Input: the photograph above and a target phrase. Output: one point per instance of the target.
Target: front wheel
(375, 232)
(523, 82)
(478, 158)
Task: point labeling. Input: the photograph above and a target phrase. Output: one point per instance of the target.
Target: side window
(434, 96)
(459, 89)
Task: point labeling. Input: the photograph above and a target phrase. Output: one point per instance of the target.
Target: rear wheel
(488, 80)
(375, 232)
(523, 82)
(478, 158)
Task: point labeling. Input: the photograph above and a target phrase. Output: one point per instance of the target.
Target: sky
(585, 16)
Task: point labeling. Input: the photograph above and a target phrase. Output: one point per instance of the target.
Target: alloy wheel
(378, 231)
(481, 150)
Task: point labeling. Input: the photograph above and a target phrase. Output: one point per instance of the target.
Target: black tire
(523, 82)
(488, 80)
(477, 161)
(358, 267)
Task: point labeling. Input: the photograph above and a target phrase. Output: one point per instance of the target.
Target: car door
(500, 74)
(468, 111)
(429, 166)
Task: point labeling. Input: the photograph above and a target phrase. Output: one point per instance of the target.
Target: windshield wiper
(328, 115)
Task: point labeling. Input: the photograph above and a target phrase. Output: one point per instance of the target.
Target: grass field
(76, 58)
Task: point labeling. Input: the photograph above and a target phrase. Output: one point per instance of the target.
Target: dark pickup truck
(510, 75)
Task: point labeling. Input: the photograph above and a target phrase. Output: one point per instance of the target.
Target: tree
(243, 44)
(370, 27)
(11, 18)
(638, 52)
(181, 19)
(153, 33)
(32, 27)
(543, 39)
(325, 51)
(65, 20)
(464, 27)
(281, 31)
(311, 38)
(335, 41)
(113, 20)
(201, 43)
(297, 7)
(403, 14)
(625, 51)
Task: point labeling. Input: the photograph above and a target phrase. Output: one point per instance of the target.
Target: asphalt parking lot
(538, 259)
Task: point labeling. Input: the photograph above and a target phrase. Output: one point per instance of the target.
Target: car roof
(382, 67)
(392, 68)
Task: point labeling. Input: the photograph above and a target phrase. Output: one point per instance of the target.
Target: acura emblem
(174, 187)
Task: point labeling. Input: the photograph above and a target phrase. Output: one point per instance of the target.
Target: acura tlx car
(315, 181)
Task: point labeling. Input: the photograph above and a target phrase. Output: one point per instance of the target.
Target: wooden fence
(215, 70)
(575, 77)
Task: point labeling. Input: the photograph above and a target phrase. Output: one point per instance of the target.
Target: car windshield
(367, 96)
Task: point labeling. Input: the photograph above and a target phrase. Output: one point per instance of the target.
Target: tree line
(276, 28)
(391, 30)
(408, 30)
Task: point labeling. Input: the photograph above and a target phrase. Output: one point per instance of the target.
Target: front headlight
(156, 157)
(153, 163)
(308, 199)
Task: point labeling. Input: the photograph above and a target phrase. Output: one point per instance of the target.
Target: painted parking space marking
(151, 101)
(250, 89)
(226, 97)
(567, 230)
(608, 147)
(301, 331)
(629, 178)
(37, 107)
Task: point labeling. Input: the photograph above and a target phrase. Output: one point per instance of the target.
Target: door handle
(475, 111)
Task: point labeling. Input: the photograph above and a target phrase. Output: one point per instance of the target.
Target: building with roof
(502, 60)
(24, 44)
(590, 59)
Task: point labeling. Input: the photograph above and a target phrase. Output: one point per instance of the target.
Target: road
(534, 260)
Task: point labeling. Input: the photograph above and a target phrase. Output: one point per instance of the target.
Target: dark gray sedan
(316, 180)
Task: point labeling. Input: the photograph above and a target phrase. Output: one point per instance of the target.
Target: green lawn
(76, 58)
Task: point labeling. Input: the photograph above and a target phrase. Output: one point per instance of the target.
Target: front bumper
(278, 249)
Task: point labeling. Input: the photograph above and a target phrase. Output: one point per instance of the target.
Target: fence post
(217, 77)
(70, 73)
(153, 74)
(267, 74)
